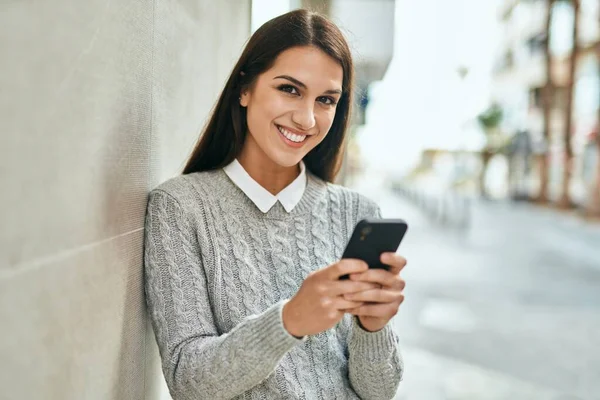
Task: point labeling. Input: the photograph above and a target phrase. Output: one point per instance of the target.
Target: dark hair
(224, 135)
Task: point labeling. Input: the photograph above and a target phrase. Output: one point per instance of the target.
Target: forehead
(311, 66)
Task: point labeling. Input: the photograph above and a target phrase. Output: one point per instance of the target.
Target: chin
(286, 160)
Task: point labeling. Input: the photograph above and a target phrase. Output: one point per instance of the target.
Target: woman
(242, 251)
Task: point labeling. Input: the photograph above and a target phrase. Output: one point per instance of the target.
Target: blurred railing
(448, 208)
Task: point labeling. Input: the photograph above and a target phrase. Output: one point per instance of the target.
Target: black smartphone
(371, 237)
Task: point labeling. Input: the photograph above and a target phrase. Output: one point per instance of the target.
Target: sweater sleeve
(197, 362)
(375, 362)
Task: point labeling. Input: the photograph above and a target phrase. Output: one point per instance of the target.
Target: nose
(304, 117)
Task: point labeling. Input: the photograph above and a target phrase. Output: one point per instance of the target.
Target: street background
(483, 135)
(508, 309)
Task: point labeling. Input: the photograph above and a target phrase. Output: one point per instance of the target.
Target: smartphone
(371, 237)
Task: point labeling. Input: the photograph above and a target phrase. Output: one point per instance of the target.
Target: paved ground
(508, 310)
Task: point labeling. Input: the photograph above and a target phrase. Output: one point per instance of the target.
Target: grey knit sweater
(217, 274)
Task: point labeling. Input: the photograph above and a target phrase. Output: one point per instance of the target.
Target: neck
(273, 177)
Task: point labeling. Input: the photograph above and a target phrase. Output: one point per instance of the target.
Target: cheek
(268, 107)
(325, 121)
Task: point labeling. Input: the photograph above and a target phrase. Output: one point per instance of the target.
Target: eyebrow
(302, 85)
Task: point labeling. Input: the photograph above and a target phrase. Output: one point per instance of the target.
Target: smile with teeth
(293, 137)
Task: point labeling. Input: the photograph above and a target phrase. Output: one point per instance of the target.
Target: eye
(288, 89)
(329, 101)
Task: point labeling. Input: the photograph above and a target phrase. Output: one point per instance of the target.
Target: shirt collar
(289, 197)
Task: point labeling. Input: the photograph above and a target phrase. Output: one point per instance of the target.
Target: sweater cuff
(270, 334)
(374, 346)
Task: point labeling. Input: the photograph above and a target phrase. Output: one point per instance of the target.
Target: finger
(344, 267)
(339, 303)
(395, 261)
(343, 287)
(375, 296)
(381, 310)
(380, 276)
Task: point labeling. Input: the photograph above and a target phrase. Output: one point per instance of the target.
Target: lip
(294, 131)
(288, 141)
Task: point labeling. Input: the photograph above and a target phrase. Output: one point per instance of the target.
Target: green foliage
(491, 118)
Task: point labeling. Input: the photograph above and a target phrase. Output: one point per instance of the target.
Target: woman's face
(291, 106)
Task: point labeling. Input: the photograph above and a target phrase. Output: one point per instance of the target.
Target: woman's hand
(320, 303)
(381, 303)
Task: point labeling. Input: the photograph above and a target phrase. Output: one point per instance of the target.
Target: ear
(244, 98)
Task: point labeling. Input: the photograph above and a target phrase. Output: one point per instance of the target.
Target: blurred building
(520, 75)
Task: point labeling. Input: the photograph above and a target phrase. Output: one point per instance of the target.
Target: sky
(421, 102)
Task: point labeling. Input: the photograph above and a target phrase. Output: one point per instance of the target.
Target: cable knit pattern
(321, 233)
(257, 246)
(303, 252)
(171, 258)
(248, 271)
(228, 279)
(282, 256)
(217, 275)
(336, 223)
(306, 355)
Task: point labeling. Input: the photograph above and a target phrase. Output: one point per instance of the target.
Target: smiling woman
(301, 65)
(290, 108)
(242, 251)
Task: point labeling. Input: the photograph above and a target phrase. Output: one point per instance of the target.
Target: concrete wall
(99, 102)
(369, 28)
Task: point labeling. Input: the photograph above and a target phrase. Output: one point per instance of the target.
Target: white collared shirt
(261, 197)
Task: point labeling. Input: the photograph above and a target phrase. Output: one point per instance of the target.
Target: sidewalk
(507, 310)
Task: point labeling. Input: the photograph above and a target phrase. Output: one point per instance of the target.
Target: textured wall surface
(99, 102)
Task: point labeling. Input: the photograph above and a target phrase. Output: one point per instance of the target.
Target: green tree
(490, 121)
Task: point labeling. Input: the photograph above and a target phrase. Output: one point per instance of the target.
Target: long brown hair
(224, 135)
